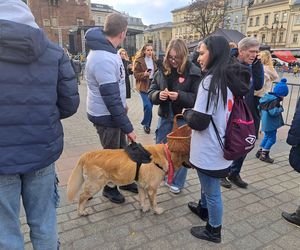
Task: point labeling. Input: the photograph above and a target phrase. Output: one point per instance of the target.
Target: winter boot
(225, 183)
(266, 157)
(113, 194)
(198, 210)
(258, 153)
(207, 232)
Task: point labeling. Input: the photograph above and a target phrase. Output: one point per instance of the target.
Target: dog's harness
(140, 155)
(138, 166)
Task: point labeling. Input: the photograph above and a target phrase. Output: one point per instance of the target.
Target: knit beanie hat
(281, 89)
(16, 11)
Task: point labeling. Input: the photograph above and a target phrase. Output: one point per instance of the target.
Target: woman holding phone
(174, 88)
(143, 69)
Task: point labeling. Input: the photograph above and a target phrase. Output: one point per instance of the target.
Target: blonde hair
(266, 58)
(121, 50)
(181, 52)
(232, 45)
(141, 52)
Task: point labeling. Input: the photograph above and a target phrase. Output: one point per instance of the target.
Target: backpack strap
(217, 134)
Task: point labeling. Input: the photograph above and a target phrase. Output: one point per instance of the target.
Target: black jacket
(187, 90)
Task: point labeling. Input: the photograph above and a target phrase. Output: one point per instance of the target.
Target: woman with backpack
(223, 80)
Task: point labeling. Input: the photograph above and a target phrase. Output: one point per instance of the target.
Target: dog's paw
(83, 213)
(145, 208)
(159, 210)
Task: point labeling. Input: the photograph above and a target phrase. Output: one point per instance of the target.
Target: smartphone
(149, 70)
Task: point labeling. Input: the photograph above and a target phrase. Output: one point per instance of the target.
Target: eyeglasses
(175, 59)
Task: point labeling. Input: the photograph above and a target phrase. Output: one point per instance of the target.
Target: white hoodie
(17, 11)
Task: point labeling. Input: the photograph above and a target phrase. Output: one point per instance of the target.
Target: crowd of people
(203, 90)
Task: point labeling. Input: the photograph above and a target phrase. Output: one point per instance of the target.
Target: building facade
(180, 28)
(159, 35)
(293, 31)
(100, 11)
(134, 39)
(275, 23)
(236, 15)
(62, 19)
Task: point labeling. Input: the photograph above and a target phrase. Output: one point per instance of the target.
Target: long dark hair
(219, 57)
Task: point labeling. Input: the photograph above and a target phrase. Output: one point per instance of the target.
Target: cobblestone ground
(252, 216)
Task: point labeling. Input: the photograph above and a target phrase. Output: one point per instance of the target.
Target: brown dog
(96, 169)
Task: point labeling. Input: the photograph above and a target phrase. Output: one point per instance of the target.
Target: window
(263, 38)
(236, 19)
(53, 2)
(80, 22)
(273, 40)
(295, 38)
(251, 22)
(276, 18)
(297, 19)
(281, 37)
(46, 22)
(284, 17)
(266, 21)
(257, 21)
(54, 21)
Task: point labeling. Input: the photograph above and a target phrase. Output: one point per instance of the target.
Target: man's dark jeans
(236, 166)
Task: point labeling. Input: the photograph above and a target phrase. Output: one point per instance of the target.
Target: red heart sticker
(181, 79)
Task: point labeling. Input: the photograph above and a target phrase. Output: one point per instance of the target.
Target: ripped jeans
(40, 198)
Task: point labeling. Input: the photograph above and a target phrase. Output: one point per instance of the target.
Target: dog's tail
(75, 180)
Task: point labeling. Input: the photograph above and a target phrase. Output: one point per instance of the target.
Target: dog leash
(170, 163)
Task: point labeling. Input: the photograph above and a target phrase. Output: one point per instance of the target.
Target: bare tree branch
(206, 16)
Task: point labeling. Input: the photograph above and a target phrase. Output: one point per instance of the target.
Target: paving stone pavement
(252, 216)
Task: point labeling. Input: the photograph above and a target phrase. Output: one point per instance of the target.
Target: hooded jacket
(37, 89)
(271, 112)
(105, 74)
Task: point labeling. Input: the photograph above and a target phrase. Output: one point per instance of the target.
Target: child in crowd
(271, 118)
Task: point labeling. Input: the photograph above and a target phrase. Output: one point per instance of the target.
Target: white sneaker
(175, 190)
(166, 184)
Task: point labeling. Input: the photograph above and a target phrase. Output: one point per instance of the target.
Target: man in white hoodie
(37, 89)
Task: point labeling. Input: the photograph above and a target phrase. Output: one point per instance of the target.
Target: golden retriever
(97, 168)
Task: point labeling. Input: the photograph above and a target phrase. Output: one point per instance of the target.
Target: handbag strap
(217, 134)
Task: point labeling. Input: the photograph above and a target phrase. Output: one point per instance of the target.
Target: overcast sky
(151, 11)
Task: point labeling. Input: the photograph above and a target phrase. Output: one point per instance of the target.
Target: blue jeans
(164, 127)
(211, 198)
(38, 190)
(147, 110)
(269, 139)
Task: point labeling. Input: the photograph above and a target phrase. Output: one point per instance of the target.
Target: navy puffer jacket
(294, 133)
(37, 89)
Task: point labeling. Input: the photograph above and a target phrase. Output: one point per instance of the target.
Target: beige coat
(270, 75)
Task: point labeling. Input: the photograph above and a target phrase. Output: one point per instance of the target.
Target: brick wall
(61, 15)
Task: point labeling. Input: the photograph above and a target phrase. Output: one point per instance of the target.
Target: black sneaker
(207, 232)
(225, 183)
(197, 209)
(292, 218)
(130, 187)
(113, 194)
(237, 180)
(147, 129)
